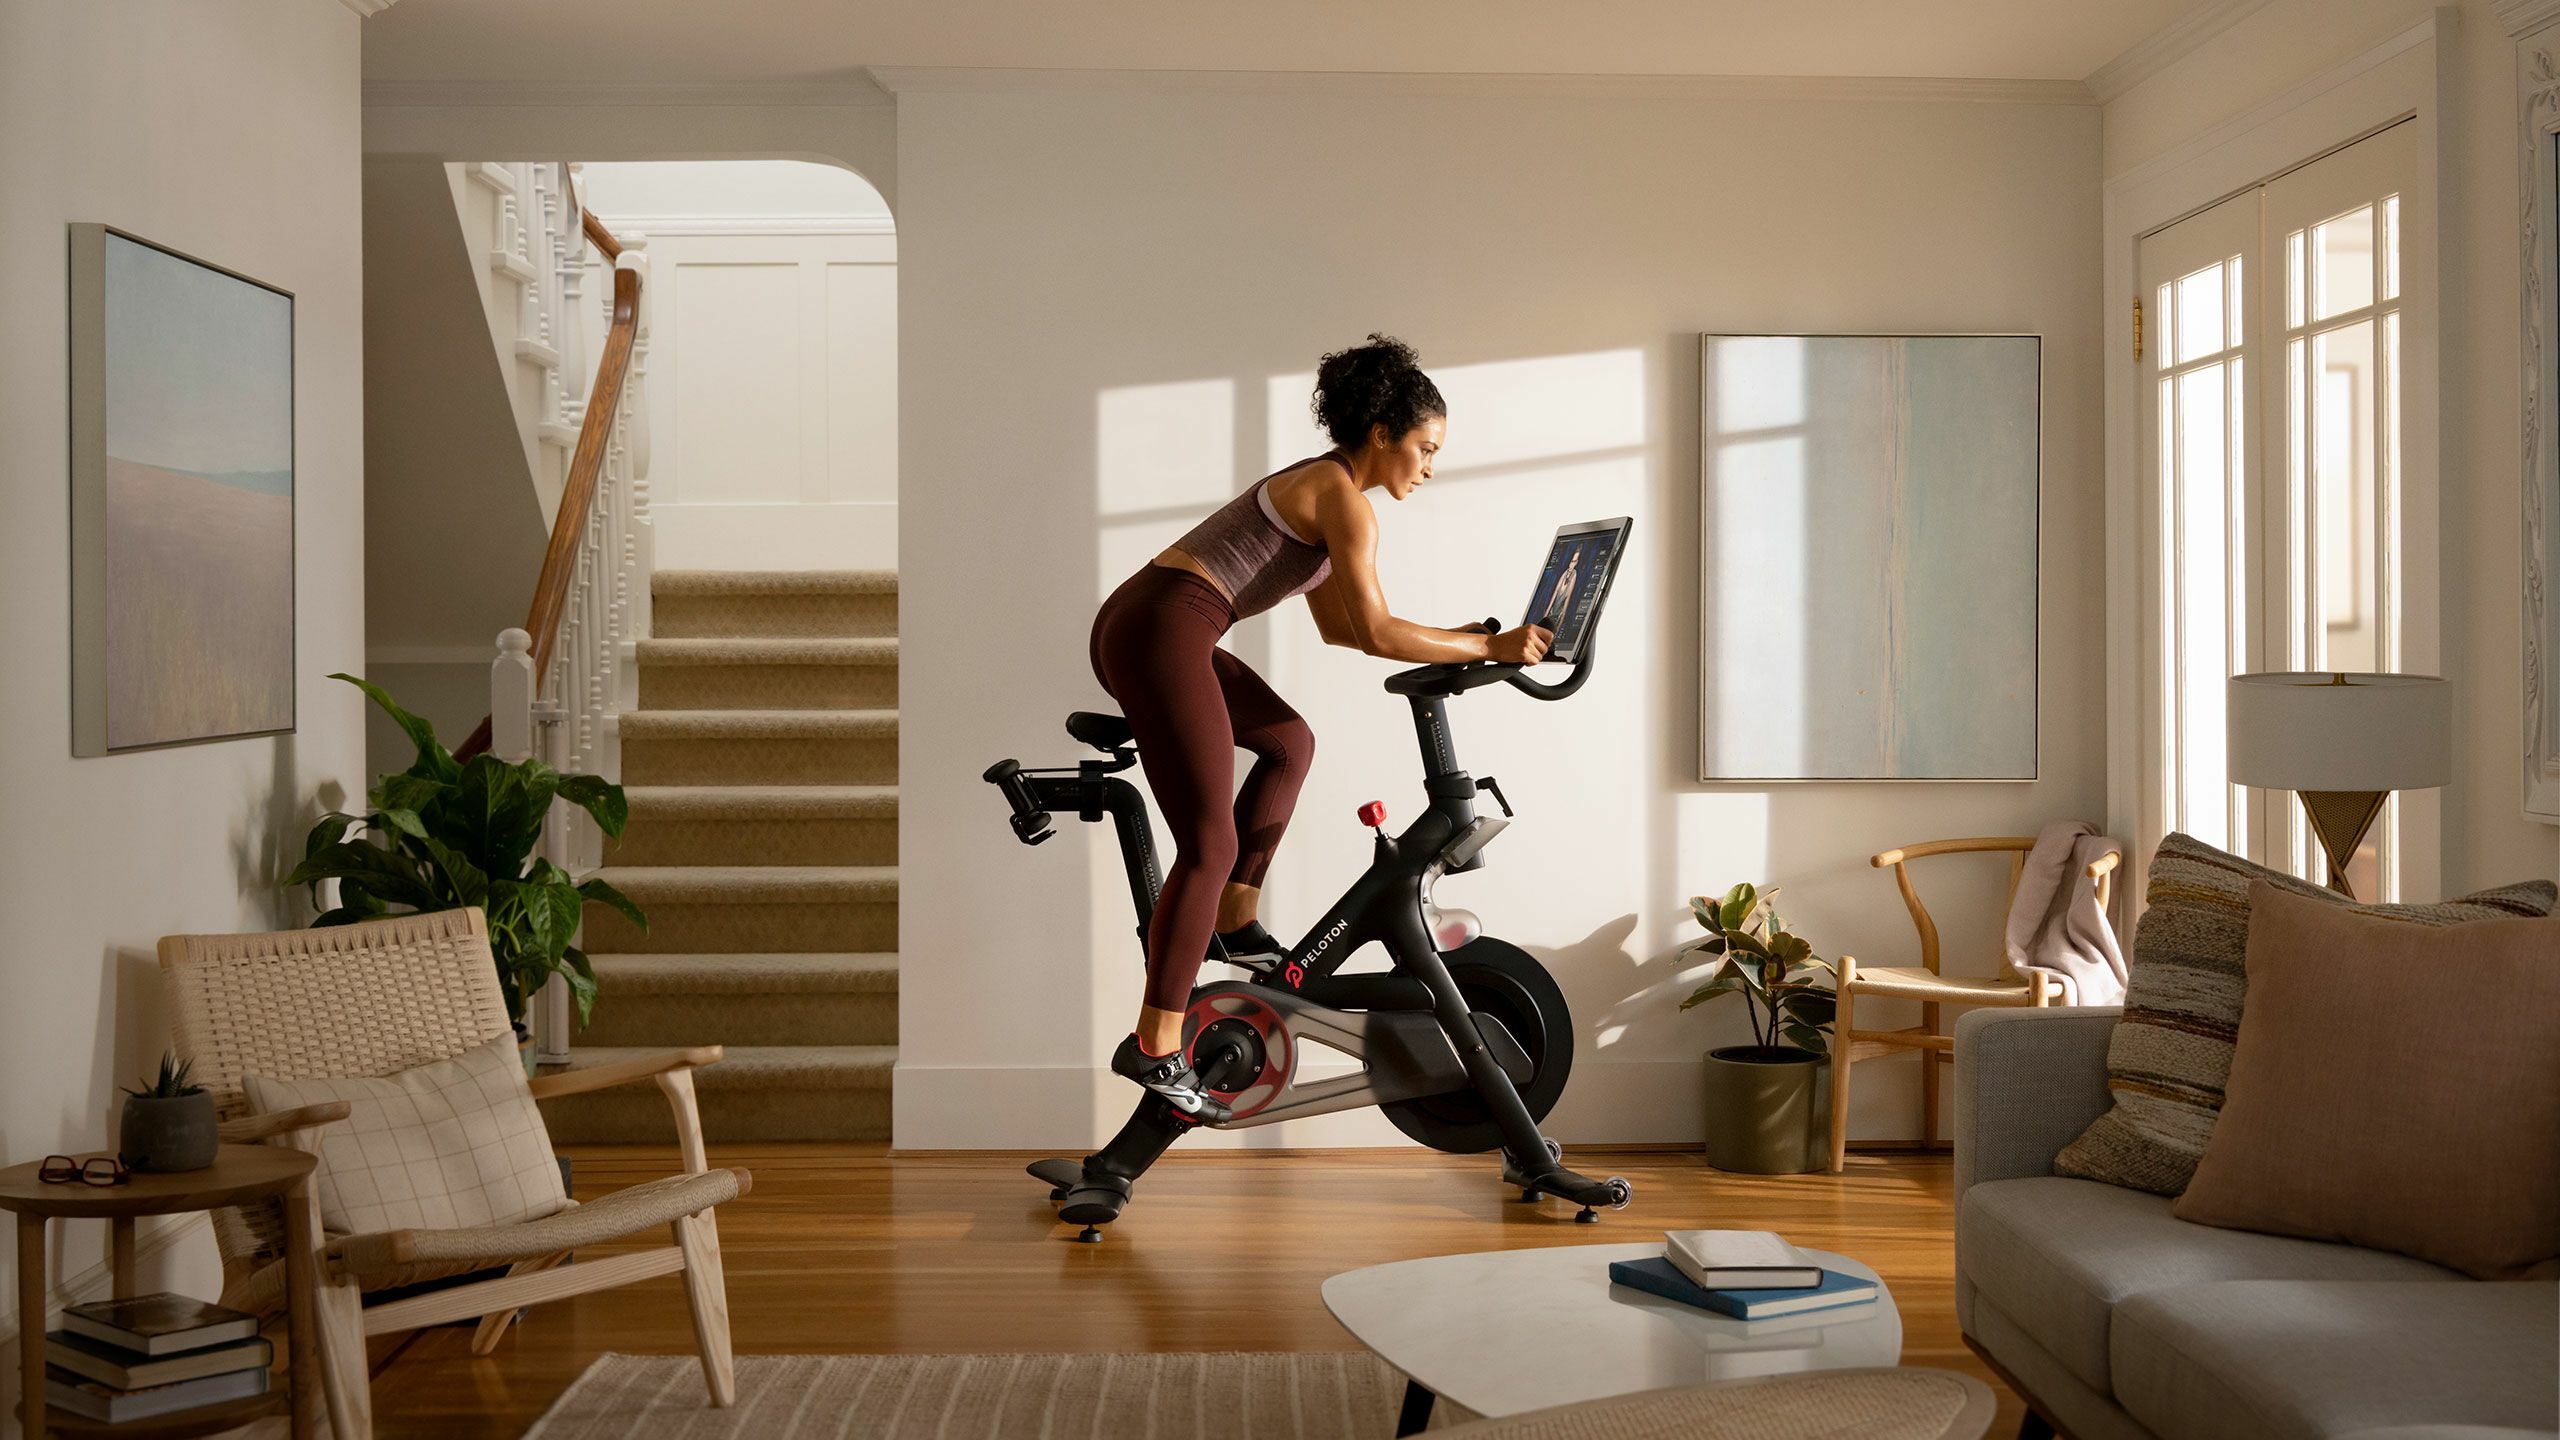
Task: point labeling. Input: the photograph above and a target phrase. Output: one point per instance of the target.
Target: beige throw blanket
(2055, 925)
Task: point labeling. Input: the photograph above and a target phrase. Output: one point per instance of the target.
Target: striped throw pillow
(2170, 1055)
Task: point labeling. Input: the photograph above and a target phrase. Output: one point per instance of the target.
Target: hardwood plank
(847, 1248)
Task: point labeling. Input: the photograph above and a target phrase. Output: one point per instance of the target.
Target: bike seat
(1102, 732)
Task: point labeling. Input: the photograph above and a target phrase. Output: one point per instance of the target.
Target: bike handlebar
(1474, 674)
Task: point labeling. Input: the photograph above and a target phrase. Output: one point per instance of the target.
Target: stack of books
(1747, 1274)
(152, 1355)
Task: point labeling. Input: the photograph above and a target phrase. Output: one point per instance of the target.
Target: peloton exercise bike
(1465, 1044)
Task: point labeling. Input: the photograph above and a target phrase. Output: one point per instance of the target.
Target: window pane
(2201, 577)
(2346, 475)
(2199, 312)
(2164, 318)
(2391, 248)
(2342, 263)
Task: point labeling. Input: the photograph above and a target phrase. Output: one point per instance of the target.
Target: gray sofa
(2116, 1320)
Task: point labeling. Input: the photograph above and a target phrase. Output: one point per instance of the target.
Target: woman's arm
(1351, 611)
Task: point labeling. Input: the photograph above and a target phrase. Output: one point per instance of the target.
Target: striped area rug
(1244, 1396)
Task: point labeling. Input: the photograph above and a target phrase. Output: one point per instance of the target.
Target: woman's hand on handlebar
(1524, 646)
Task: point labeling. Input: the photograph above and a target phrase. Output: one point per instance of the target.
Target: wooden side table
(238, 1175)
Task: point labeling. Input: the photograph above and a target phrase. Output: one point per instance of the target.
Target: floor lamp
(2343, 741)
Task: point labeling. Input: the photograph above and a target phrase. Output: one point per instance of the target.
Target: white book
(1739, 1260)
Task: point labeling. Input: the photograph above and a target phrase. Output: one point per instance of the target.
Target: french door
(2270, 379)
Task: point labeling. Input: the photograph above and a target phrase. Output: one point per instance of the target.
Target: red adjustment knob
(1374, 813)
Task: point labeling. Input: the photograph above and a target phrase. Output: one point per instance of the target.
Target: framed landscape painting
(182, 483)
(1868, 581)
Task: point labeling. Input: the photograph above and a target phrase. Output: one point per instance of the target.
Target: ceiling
(730, 42)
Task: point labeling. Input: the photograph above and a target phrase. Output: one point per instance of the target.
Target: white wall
(227, 129)
(1111, 303)
(2487, 840)
(773, 360)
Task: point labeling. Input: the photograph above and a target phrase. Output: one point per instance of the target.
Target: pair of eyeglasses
(96, 1170)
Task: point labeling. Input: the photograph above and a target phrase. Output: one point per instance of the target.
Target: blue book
(1657, 1276)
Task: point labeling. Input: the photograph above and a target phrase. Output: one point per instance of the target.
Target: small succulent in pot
(169, 1123)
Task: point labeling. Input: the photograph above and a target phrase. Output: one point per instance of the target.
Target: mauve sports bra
(1252, 553)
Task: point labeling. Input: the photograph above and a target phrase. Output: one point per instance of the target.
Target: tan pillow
(445, 1146)
(2395, 1086)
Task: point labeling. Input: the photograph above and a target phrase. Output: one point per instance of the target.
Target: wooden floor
(849, 1248)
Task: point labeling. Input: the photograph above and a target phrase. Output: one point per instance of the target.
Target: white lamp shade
(2303, 730)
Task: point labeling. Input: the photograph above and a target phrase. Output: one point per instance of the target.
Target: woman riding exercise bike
(1305, 530)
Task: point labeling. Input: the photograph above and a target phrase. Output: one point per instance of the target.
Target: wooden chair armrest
(622, 1072)
(250, 1129)
(2099, 867)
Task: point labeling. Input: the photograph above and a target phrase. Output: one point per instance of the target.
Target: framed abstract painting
(1868, 576)
(182, 498)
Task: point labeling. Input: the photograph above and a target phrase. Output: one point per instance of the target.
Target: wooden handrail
(586, 470)
(598, 236)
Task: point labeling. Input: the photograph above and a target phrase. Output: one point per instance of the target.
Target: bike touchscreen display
(1574, 582)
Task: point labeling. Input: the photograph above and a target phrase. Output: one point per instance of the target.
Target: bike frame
(1372, 1017)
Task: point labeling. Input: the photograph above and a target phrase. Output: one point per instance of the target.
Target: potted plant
(169, 1124)
(444, 833)
(1766, 1101)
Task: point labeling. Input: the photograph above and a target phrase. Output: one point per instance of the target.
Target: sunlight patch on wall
(1501, 412)
(1162, 447)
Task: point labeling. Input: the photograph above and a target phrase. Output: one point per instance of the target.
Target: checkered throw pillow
(2170, 1056)
(446, 1146)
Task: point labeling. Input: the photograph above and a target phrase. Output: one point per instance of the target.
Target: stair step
(728, 909)
(687, 584)
(804, 673)
(761, 824)
(759, 747)
(661, 1001)
(756, 1093)
(757, 802)
(735, 974)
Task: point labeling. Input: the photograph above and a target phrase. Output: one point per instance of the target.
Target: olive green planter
(1768, 1109)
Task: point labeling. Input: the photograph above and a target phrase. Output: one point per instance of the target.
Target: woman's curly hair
(1379, 383)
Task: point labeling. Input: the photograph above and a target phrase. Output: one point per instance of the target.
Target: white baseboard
(853, 535)
(154, 1237)
(1073, 1108)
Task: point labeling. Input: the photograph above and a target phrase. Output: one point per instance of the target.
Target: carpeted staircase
(762, 768)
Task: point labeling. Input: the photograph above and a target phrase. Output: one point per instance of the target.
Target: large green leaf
(469, 883)
(1809, 1007)
(604, 894)
(1709, 913)
(381, 872)
(1738, 904)
(1805, 1037)
(433, 759)
(600, 798)
(582, 982)
(1725, 983)
(1789, 948)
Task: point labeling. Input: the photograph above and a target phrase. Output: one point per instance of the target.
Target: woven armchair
(390, 995)
(1926, 983)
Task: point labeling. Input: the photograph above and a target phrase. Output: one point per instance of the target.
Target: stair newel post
(511, 697)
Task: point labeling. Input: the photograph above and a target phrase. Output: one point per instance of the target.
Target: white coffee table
(1516, 1330)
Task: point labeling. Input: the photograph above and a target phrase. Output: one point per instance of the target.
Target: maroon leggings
(1190, 705)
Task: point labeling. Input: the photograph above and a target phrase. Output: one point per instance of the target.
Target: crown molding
(921, 79)
(2523, 17)
(854, 91)
(368, 8)
(2168, 45)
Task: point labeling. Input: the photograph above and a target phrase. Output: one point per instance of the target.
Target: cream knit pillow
(446, 1146)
